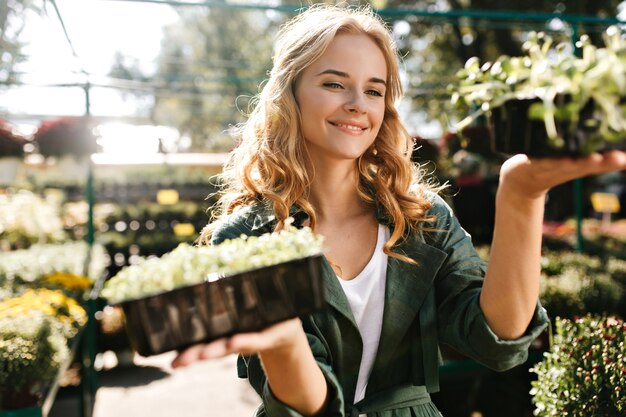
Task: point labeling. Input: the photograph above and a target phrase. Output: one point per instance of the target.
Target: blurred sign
(184, 229)
(605, 202)
(167, 197)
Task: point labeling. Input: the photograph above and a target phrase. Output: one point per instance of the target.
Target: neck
(333, 192)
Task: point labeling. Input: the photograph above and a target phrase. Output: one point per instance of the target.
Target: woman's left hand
(532, 178)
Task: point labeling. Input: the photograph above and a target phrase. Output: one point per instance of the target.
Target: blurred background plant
(32, 349)
(574, 284)
(42, 292)
(56, 304)
(66, 136)
(27, 218)
(54, 265)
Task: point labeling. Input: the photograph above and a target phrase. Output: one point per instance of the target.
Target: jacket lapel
(334, 293)
(406, 288)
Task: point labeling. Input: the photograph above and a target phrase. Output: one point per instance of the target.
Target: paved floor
(151, 388)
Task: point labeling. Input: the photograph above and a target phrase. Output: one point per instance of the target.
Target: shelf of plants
(43, 292)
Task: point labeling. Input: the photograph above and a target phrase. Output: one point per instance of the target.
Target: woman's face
(342, 98)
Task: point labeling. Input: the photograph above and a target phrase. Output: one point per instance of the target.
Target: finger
(564, 169)
(596, 164)
(216, 349)
(615, 160)
(249, 343)
(271, 337)
(187, 357)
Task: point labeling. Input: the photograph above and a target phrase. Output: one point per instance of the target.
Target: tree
(12, 24)
(211, 63)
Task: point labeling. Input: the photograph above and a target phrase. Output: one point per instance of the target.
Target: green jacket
(433, 302)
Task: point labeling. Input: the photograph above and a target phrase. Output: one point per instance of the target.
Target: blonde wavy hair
(269, 163)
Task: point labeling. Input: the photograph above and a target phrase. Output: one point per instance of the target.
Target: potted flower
(26, 219)
(549, 102)
(200, 293)
(54, 266)
(66, 136)
(584, 374)
(36, 325)
(32, 350)
(67, 144)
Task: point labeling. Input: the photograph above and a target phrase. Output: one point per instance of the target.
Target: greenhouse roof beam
(400, 12)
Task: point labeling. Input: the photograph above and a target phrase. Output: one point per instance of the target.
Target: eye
(332, 85)
(374, 93)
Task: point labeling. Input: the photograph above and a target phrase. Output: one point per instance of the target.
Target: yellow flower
(52, 303)
(71, 282)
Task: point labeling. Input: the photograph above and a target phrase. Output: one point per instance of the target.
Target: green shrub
(561, 295)
(602, 295)
(574, 284)
(617, 269)
(584, 374)
(32, 349)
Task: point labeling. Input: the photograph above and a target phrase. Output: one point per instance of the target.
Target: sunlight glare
(122, 139)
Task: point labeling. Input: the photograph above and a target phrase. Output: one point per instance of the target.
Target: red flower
(66, 136)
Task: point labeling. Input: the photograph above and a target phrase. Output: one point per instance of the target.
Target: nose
(356, 103)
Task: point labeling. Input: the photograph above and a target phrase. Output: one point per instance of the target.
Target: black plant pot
(245, 302)
(514, 132)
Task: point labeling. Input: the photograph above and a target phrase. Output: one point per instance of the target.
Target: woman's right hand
(292, 372)
(276, 338)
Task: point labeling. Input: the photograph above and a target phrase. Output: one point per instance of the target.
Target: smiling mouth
(349, 127)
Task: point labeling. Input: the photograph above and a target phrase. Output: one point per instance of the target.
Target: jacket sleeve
(250, 366)
(231, 228)
(461, 322)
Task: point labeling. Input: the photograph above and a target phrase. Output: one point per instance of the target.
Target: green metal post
(578, 183)
(88, 350)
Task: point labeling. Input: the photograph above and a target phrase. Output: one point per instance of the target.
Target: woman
(325, 146)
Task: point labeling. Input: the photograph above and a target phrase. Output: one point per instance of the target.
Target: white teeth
(355, 128)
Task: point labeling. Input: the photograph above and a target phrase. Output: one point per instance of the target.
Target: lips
(350, 126)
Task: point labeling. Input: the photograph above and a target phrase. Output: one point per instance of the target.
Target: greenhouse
(384, 208)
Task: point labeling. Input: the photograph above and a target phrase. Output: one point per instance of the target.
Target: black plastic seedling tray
(248, 301)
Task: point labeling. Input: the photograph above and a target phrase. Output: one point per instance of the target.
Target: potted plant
(66, 136)
(35, 328)
(584, 374)
(549, 102)
(53, 266)
(200, 293)
(26, 219)
(11, 153)
(32, 350)
(41, 291)
(68, 314)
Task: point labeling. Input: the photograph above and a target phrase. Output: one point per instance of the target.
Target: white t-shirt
(366, 295)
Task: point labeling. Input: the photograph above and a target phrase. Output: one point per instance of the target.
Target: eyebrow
(345, 75)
